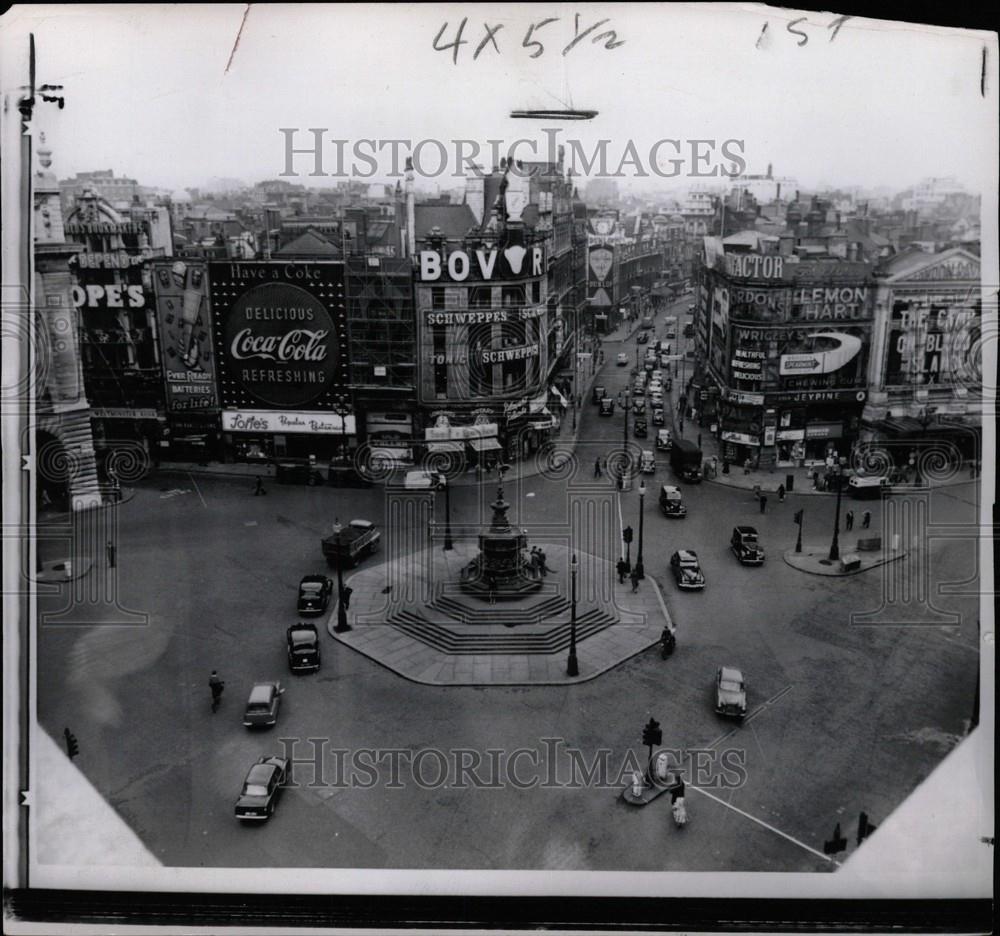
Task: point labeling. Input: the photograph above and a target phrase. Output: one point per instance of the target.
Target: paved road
(845, 717)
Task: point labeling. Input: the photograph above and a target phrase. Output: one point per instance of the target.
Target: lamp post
(835, 545)
(572, 667)
(448, 543)
(627, 396)
(639, 571)
(342, 407)
(341, 626)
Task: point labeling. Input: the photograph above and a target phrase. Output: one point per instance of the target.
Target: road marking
(766, 825)
(198, 489)
(760, 708)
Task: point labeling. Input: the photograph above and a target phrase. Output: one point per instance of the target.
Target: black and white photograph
(511, 450)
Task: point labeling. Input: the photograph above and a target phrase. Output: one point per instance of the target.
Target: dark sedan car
(263, 704)
(258, 798)
(730, 692)
(314, 594)
(598, 394)
(303, 648)
(643, 337)
(687, 570)
(745, 546)
(640, 429)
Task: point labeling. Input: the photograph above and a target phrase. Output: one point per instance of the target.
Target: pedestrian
(699, 440)
(781, 493)
(541, 562)
(815, 477)
(533, 561)
(622, 571)
(763, 503)
(635, 580)
(597, 468)
(746, 467)
(866, 519)
(849, 520)
(111, 554)
(216, 684)
(492, 585)
(259, 487)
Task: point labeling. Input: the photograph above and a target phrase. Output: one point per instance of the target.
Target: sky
(149, 95)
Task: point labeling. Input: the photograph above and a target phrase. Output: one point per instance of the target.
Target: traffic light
(865, 828)
(651, 734)
(627, 534)
(72, 748)
(798, 517)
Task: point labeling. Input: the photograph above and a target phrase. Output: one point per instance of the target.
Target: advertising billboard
(181, 291)
(280, 331)
(930, 338)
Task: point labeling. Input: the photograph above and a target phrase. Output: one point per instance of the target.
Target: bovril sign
(460, 265)
(281, 344)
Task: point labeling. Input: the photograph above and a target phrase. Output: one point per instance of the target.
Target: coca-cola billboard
(279, 331)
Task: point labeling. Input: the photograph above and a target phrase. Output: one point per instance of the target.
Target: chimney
(852, 251)
(411, 233)
(475, 194)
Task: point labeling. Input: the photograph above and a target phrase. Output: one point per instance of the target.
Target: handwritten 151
(532, 38)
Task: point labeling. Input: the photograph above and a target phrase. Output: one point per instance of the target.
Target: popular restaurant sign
(513, 262)
(279, 331)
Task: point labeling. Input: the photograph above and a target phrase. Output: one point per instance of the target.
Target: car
(745, 546)
(663, 439)
(667, 383)
(671, 333)
(730, 692)
(639, 384)
(303, 647)
(643, 337)
(639, 429)
(263, 704)
(607, 407)
(598, 394)
(314, 594)
(671, 502)
(622, 359)
(639, 406)
(656, 399)
(655, 386)
(665, 360)
(658, 417)
(647, 462)
(687, 570)
(656, 375)
(424, 480)
(648, 365)
(258, 798)
(689, 330)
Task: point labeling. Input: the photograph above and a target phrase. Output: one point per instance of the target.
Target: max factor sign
(460, 265)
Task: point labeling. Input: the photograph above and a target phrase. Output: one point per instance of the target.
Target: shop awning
(445, 446)
(558, 395)
(543, 420)
(484, 445)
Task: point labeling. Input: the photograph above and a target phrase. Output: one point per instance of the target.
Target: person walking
(622, 571)
(763, 503)
(597, 468)
(492, 585)
(635, 580)
(781, 493)
(259, 487)
(866, 520)
(216, 684)
(849, 520)
(746, 467)
(111, 554)
(541, 561)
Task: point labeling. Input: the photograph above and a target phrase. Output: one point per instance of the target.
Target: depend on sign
(483, 264)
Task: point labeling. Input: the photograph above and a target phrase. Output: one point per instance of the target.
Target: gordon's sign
(512, 262)
(279, 333)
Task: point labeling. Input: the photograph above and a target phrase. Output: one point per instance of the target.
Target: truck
(685, 459)
(352, 543)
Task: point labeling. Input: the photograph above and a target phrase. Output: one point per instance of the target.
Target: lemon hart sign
(281, 334)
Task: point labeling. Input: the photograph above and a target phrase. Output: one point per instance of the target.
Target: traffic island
(816, 560)
(412, 616)
(58, 571)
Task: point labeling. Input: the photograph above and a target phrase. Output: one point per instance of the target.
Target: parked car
(663, 439)
(667, 383)
(314, 594)
(655, 386)
(264, 782)
(598, 394)
(639, 385)
(639, 406)
(671, 502)
(730, 692)
(263, 704)
(658, 416)
(745, 546)
(689, 330)
(640, 429)
(647, 462)
(358, 539)
(656, 375)
(622, 359)
(607, 407)
(687, 570)
(303, 647)
(656, 399)
(425, 480)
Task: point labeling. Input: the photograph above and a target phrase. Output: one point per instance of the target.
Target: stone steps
(448, 641)
(492, 614)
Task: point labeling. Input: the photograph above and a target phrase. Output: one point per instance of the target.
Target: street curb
(885, 560)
